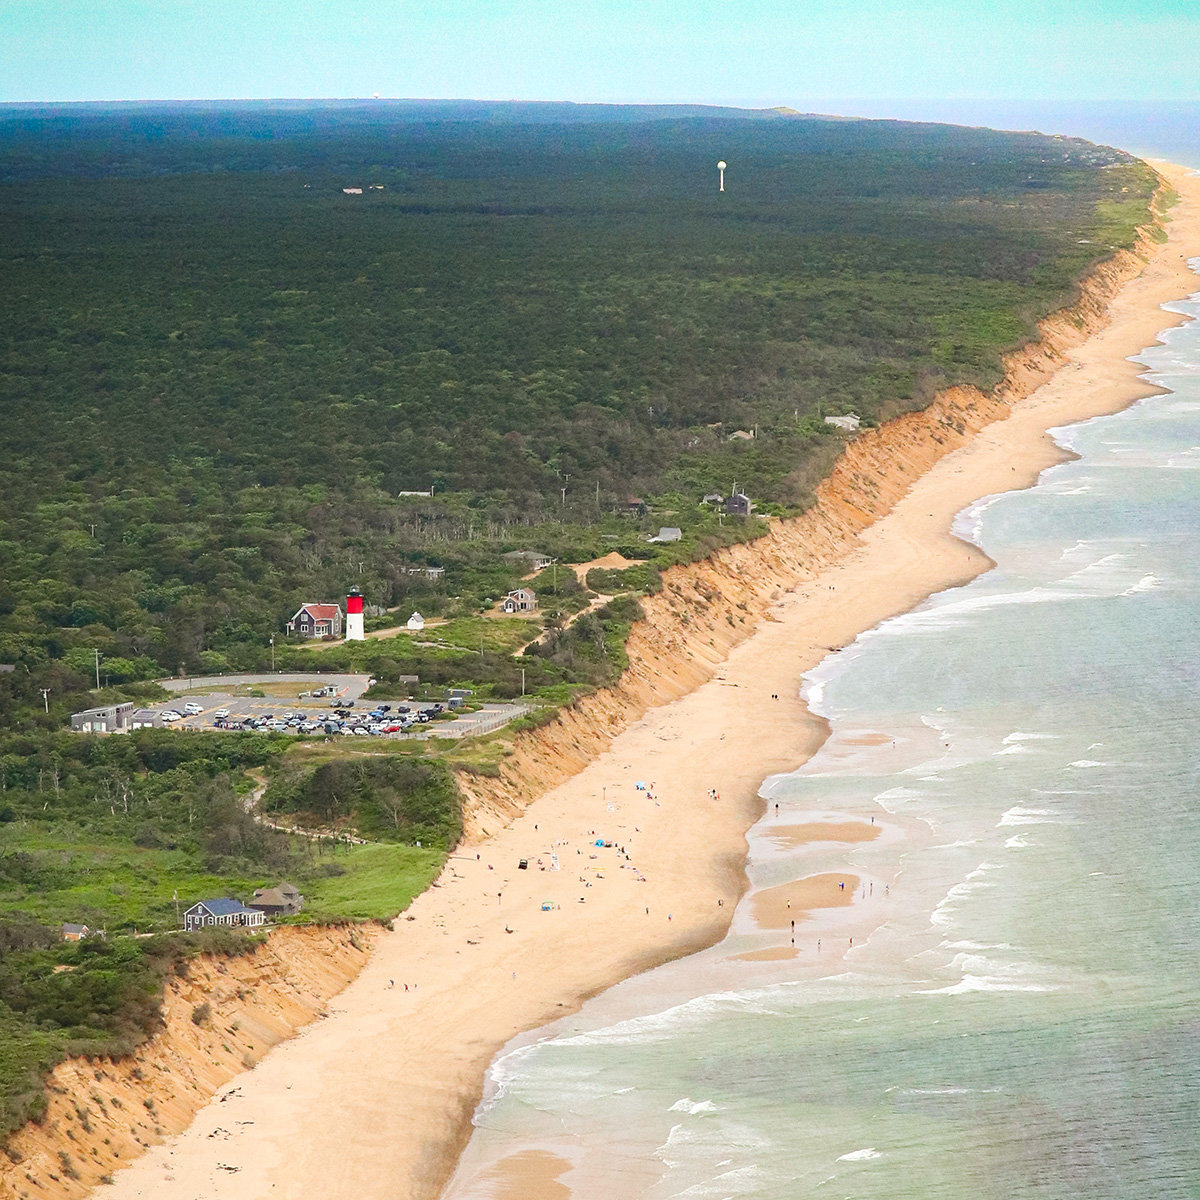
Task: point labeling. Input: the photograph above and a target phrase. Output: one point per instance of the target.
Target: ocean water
(1020, 1013)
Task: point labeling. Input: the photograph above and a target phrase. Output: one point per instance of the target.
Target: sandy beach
(376, 1100)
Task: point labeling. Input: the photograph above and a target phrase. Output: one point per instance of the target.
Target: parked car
(222, 713)
(192, 709)
(172, 715)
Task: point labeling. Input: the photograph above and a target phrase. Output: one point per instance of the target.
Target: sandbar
(787, 837)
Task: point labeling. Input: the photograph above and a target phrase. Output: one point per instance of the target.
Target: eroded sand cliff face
(707, 607)
(103, 1113)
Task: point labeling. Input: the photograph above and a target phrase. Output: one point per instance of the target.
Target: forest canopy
(221, 368)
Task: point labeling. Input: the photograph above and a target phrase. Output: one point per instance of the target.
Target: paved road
(351, 686)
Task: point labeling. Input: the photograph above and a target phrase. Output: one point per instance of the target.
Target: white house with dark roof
(222, 912)
(317, 621)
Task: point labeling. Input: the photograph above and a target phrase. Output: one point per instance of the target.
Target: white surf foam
(974, 983)
(1019, 815)
(1147, 583)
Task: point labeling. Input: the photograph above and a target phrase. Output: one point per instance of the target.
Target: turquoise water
(1024, 1020)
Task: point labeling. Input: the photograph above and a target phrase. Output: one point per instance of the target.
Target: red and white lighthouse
(354, 617)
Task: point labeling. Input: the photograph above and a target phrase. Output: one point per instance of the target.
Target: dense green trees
(219, 369)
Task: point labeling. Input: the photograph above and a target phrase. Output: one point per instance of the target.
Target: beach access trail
(376, 1100)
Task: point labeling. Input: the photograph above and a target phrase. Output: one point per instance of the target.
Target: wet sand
(778, 907)
(787, 837)
(773, 954)
(530, 1175)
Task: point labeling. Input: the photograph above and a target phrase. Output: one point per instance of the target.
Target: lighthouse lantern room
(354, 616)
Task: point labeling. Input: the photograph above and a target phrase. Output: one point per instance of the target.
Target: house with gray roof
(279, 901)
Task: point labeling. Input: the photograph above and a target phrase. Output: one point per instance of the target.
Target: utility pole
(272, 653)
(92, 527)
(97, 654)
(522, 682)
(46, 696)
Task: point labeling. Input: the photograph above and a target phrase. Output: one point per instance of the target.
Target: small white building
(668, 533)
(222, 912)
(416, 621)
(433, 574)
(849, 423)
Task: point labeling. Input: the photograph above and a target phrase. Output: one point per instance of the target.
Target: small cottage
(848, 424)
(668, 533)
(222, 912)
(74, 933)
(528, 560)
(522, 600)
(279, 901)
(317, 621)
(739, 505)
(415, 622)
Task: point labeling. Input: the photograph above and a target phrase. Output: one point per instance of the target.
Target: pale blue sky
(751, 52)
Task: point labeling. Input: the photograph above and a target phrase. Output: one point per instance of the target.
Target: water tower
(354, 617)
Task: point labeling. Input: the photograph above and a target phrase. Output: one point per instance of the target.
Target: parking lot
(324, 707)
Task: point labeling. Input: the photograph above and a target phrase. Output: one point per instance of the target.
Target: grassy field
(117, 886)
(381, 880)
